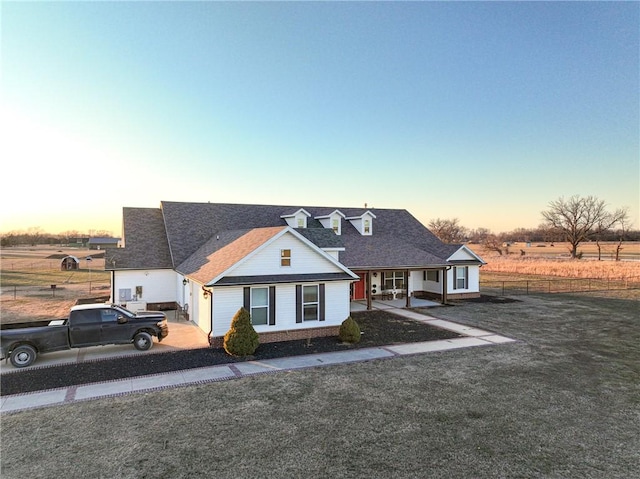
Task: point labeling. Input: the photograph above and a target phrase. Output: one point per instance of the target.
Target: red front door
(359, 288)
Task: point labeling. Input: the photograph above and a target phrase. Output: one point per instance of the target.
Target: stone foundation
(289, 335)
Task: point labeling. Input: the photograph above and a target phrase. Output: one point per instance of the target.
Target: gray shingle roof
(146, 245)
(169, 235)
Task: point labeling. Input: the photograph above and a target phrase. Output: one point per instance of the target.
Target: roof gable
(463, 253)
(217, 259)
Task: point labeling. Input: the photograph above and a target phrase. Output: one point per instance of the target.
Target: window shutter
(298, 303)
(247, 299)
(455, 277)
(321, 301)
(466, 277)
(272, 305)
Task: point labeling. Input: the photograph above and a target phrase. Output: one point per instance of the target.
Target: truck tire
(23, 356)
(143, 341)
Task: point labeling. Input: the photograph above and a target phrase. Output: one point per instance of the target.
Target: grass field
(562, 402)
(630, 250)
(26, 276)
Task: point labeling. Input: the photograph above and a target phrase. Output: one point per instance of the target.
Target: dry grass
(26, 276)
(564, 268)
(554, 261)
(562, 402)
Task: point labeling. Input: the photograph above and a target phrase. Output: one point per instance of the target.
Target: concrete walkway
(471, 337)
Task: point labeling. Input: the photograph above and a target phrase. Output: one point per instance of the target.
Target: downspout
(206, 292)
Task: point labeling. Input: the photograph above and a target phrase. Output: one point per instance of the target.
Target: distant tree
(448, 230)
(493, 243)
(579, 219)
(479, 235)
(624, 223)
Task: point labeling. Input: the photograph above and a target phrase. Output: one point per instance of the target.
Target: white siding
(473, 285)
(303, 260)
(228, 300)
(157, 285)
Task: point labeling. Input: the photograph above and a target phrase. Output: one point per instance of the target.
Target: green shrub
(349, 331)
(241, 339)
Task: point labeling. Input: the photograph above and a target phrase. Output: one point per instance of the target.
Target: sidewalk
(472, 337)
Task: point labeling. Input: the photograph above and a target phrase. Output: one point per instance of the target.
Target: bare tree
(579, 219)
(624, 224)
(448, 230)
(493, 243)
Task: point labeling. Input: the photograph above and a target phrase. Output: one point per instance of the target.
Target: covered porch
(380, 288)
(361, 305)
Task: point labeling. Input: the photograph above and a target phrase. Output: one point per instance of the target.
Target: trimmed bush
(241, 339)
(349, 331)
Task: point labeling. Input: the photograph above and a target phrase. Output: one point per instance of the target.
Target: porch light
(184, 281)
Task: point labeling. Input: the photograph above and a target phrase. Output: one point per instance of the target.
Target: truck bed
(33, 324)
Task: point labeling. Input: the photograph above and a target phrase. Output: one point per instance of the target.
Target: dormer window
(363, 223)
(297, 219)
(332, 220)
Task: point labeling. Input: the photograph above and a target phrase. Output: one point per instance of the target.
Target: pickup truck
(87, 325)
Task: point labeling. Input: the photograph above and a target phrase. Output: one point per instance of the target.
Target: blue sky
(481, 111)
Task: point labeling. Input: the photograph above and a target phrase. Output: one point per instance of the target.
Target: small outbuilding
(103, 242)
(69, 263)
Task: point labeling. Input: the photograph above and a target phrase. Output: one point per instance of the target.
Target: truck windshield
(124, 311)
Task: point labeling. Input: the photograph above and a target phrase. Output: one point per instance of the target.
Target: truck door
(84, 327)
(111, 332)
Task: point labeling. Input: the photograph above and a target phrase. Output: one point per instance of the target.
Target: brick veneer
(289, 335)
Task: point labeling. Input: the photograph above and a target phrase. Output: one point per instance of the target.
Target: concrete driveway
(182, 335)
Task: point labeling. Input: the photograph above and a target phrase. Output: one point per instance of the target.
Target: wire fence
(65, 290)
(558, 285)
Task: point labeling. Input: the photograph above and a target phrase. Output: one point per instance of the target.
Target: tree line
(35, 236)
(574, 220)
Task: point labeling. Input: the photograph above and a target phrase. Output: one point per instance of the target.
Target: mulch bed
(379, 328)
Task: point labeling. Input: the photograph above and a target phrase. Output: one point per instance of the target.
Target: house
(103, 242)
(295, 269)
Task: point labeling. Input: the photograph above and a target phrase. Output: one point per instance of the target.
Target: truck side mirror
(122, 319)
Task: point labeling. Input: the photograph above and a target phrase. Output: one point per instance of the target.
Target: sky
(480, 111)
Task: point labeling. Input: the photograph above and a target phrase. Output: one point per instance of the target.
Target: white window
(461, 276)
(285, 257)
(335, 225)
(367, 227)
(310, 303)
(300, 222)
(259, 306)
(394, 280)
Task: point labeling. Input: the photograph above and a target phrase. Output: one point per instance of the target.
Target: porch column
(444, 286)
(367, 290)
(406, 282)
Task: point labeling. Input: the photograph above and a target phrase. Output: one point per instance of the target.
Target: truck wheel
(143, 341)
(23, 356)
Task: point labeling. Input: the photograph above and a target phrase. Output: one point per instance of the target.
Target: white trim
(469, 252)
(264, 245)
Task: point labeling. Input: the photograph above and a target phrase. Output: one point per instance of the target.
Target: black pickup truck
(87, 325)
